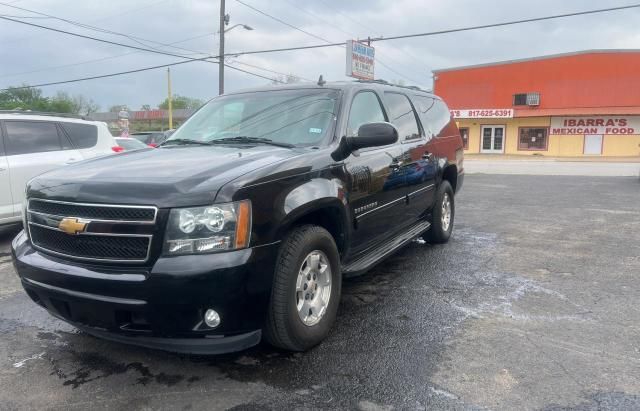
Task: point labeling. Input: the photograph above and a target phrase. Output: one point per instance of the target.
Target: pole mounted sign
(360, 60)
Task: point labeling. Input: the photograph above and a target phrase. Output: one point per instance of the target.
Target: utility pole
(223, 20)
(170, 98)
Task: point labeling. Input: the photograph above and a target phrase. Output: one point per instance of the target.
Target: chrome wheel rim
(446, 212)
(313, 288)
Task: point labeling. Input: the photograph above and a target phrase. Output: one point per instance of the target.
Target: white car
(32, 143)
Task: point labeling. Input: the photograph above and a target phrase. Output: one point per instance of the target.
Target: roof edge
(537, 58)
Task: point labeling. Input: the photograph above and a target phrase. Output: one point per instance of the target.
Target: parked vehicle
(152, 138)
(245, 221)
(127, 144)
(32, 143)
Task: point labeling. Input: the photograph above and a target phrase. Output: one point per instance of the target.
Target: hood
(172, 176)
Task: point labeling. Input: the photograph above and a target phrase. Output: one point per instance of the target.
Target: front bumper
(161, 306)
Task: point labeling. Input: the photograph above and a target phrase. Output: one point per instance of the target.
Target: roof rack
(43, 113)
(381, 81)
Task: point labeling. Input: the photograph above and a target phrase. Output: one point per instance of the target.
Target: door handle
(2, 168)
(71, 161)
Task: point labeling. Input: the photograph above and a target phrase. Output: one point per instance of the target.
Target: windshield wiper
(247, 139)
(185, 141)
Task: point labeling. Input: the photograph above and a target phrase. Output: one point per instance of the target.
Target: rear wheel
(442, 215)
(306, 289)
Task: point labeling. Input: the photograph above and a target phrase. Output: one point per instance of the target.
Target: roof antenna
(321, 81)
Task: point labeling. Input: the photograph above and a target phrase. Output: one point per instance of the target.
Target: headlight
(209, 229)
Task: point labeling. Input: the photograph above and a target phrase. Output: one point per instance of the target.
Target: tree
(145, 107)
(84, 106)
(181, 102)
(23, 98)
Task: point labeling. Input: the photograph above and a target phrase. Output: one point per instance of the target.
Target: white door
(593, 144)
(32, 148)
(6, 202)
(492, 139)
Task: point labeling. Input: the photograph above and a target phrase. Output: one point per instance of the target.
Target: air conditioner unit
(533, 99)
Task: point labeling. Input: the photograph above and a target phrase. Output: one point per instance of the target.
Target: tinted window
(24, 137)
(298, 117)
(81, 135)
(365, 108)
(402, 116)
(436, 116)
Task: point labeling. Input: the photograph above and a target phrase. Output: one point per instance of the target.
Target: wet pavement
(532, 305)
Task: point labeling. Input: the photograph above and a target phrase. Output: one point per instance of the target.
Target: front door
(377, 186)
(593, 144)
(492, 140)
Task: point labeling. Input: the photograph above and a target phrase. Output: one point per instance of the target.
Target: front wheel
(306, 289)
(442, 215)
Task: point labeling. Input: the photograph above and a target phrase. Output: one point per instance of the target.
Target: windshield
(297, 117)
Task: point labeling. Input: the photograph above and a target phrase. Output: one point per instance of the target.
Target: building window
(464, 133)
(520, 99)
(533, 138)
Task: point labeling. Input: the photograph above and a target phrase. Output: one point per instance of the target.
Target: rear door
(6, 200)
(418, 166)
(32, 148)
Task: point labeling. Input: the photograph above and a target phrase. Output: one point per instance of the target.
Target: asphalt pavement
(552, 167)
(533, 304)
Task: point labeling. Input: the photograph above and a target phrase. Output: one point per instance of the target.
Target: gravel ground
(531, 305)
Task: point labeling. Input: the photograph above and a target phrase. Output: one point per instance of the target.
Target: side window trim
(416, 116)
(64, 138)
(383, 108)
(380, 102)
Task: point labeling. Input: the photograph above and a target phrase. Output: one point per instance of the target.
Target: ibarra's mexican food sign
(360, 60)
(595, 125)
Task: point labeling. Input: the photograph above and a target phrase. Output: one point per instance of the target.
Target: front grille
(93, 211)
(90, 246)
(105, 233)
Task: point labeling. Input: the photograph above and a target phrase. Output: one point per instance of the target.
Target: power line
(282, 21)
(96, 60)
(153, 50)
(333, 44)
(136, 39)
(316, 36)
(132, 72)
(435, 33)
(100, 19)
(205, 59)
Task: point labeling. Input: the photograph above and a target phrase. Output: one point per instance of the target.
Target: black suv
(245, 221)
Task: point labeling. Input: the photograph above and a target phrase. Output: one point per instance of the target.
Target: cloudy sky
(31, 55)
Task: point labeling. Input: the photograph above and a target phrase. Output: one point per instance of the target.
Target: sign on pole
(360, 60)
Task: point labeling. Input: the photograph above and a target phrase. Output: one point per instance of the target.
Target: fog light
(211, 318)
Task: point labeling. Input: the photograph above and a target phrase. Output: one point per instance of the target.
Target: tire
(285, 326)
(440, 231)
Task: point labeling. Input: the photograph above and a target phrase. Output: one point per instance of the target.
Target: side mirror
(373, 135)
(369, 135)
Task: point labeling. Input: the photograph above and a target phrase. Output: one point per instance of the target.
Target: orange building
(574, 104)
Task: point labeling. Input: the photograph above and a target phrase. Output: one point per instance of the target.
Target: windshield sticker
(315, 130)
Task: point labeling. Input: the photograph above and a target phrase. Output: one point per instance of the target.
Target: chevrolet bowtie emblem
(72, 226)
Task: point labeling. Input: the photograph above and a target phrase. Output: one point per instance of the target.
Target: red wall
(602, 79)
